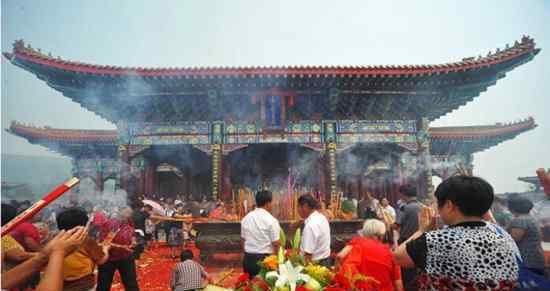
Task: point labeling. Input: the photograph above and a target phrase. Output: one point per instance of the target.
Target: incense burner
(225, 237)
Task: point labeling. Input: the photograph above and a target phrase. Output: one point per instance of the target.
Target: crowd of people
(115, 237)
(89, 242)
(453, 244)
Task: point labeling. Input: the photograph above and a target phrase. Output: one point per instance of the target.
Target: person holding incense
(175, 236)
(79, 267)
(51, 256)
(407, 223)
(141, 213)
(469, 252)
(28, 235)
(13, 252)
(121, 253)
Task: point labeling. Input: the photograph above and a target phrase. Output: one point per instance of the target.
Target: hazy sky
(231, 33)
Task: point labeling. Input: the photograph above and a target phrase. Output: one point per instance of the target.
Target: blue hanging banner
(273, 111)
(269, 111)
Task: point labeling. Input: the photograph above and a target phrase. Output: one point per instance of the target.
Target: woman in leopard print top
(467, 255)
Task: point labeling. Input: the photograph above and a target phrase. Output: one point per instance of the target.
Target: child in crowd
(188, 274)
(79, 266)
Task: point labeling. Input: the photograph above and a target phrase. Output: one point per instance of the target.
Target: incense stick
(39, 205)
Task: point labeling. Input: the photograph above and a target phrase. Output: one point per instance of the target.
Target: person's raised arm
(21, 273)
(17, 255)
(31, 244)
(63, 244)
(425, 223)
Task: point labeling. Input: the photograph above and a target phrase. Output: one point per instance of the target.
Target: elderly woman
(368, 256)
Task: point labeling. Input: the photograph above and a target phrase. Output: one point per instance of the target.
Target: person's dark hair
(186, 255)
(472, 195)
(9, 212)
(147, 206)
(308, 200)
(263, 197)
(71, 218)
(136, 204)
(408, 190)
(520, 205)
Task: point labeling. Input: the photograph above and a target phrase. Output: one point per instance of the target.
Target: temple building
(206, 131)
(534, 181)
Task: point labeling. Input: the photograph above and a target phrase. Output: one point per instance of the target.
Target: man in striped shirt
(188, 274)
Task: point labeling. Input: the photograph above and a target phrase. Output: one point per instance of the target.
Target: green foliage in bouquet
(297, 239)
(286, 271)
(320, 273)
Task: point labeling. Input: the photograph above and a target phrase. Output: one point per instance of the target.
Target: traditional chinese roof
(69, 142)
(335, 92)
(471, 139)
(10, 186)
(444, 140)
(531, 180)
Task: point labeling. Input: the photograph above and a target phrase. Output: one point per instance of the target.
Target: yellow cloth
(9, 243)
(82, 262)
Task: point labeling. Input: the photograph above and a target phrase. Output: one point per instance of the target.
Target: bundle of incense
(39, 205)
(224, 275)
(119, 246)
(187, 219)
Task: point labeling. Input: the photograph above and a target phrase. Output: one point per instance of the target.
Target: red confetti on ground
(155, 266)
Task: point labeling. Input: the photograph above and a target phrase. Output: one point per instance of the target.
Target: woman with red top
(28, 235)
(367, 255)
(121, 256)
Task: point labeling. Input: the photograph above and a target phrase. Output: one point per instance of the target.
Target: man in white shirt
(260, 233)
(315, 244)
(388, 212)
